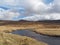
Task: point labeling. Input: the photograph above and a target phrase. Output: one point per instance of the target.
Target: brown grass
(11, 39)
(39, 27)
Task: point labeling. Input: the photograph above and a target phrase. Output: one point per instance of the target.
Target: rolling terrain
(47, 27)
(6, 38)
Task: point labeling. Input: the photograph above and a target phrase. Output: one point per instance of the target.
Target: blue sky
(48, 1)
(29, 10)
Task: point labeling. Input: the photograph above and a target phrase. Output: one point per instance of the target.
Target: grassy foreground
(47, 28)
(11, 39)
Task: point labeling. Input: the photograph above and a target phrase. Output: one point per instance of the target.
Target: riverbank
(46, 28)
(44, 38)
(12, 39)
(44, 31)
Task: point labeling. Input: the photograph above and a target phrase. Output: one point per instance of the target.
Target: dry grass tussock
(11, 39)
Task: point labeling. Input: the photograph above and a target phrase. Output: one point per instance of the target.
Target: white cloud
(8, 14)
(42, 11)
(54, 16)
(37, 8)
(11, 3)
(37, 17)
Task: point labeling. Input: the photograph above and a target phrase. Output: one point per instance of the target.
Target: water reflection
(47, 39)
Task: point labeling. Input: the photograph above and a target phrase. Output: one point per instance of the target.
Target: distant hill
(25, 22)
(30, 21)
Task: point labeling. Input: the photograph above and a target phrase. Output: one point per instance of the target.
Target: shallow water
(49, 40)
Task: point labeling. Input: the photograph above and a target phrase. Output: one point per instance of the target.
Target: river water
(48, 39)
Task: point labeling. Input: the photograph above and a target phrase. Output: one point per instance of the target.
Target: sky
(32, 10)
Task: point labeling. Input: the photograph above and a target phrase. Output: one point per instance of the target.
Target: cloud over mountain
(31, 9)
(43, 11)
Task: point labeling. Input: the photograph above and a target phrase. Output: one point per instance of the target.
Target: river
(48, 39)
